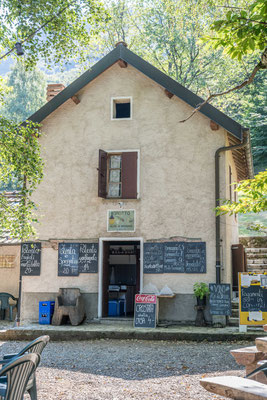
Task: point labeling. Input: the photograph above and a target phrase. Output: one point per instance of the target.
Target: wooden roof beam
(75, 99)
(122, 64)
(168, 94)
(214, 126)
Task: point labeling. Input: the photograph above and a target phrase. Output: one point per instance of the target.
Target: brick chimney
(53, 89)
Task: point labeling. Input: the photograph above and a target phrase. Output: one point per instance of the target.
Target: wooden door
(105, 279)
(137, 271)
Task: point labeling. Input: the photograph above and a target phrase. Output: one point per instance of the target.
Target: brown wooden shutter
(129, 175)
(102, 174)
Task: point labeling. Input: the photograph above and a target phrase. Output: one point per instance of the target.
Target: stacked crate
(46, 310)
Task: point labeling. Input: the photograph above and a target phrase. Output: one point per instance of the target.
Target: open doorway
(120, 277)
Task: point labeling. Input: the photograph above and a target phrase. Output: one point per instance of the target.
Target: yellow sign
(252, 298)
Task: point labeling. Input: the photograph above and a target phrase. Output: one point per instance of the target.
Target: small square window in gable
(121, 108)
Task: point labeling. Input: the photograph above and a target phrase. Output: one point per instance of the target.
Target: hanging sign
(145, 311)
(195, 257)
(121, 221)
(174, 257)
(30, 259)
(153, 258)
(88, 258)
(252, 298)
(68, 257)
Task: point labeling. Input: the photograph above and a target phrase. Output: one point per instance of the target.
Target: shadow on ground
(135, 360)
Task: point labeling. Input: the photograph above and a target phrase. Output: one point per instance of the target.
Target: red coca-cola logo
(146, 298)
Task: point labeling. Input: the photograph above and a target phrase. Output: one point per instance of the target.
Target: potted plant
(201, 290)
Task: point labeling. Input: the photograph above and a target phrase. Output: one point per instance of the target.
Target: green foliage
(64, 37)
(242, 30)
(201, 290)
(27, 90)
(255, 224)
(19, 158)
(253, 199)
(66, 30)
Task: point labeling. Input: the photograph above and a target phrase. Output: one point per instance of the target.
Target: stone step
(235, 306)
(256, 250)
(235, 313)
(257, 266)
(233, 321)
(115, 320)
(256, 255)
(257, 261)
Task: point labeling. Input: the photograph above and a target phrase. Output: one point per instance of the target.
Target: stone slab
(96, 331)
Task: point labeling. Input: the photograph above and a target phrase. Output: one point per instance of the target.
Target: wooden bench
(248, 357)
(261, 344)
(234, 387)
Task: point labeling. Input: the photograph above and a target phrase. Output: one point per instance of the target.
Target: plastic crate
(113, 308)
(46, 310)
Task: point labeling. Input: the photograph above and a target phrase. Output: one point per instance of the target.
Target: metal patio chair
(36, 346)
(17, 374)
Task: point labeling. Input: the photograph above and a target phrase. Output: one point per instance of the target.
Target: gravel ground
(130, 369)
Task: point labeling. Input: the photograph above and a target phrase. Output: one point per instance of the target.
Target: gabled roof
(122, 53)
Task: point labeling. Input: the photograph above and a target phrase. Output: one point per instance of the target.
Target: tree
(241, 32)
(27, 90)
(19, 159)
(52, 31)
(253, 199)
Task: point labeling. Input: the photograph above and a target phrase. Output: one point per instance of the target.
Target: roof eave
(122, 53)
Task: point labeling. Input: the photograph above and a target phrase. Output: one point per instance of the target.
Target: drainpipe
(244, 143)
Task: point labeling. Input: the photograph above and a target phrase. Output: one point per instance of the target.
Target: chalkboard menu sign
(220, 299)
(174, 257)
(30, 259)
(195, 257)
(68, 257)
(88, 257)
(153, 258)
(145, 311)
(253, 298)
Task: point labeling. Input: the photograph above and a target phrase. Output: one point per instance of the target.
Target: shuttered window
(102, 174)
(117, 175)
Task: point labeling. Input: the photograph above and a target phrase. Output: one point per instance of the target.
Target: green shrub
(201, 289)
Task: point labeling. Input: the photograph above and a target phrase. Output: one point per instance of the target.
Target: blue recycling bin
(113, 308)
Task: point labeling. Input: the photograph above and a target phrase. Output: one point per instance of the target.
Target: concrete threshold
(95, 331)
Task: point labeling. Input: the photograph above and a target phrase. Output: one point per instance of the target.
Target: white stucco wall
(9, 277)
(177, 178)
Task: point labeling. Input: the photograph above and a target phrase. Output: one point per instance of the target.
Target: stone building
(133, 188)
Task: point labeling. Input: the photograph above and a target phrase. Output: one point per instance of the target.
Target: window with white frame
(121, 108)
(118, 174)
